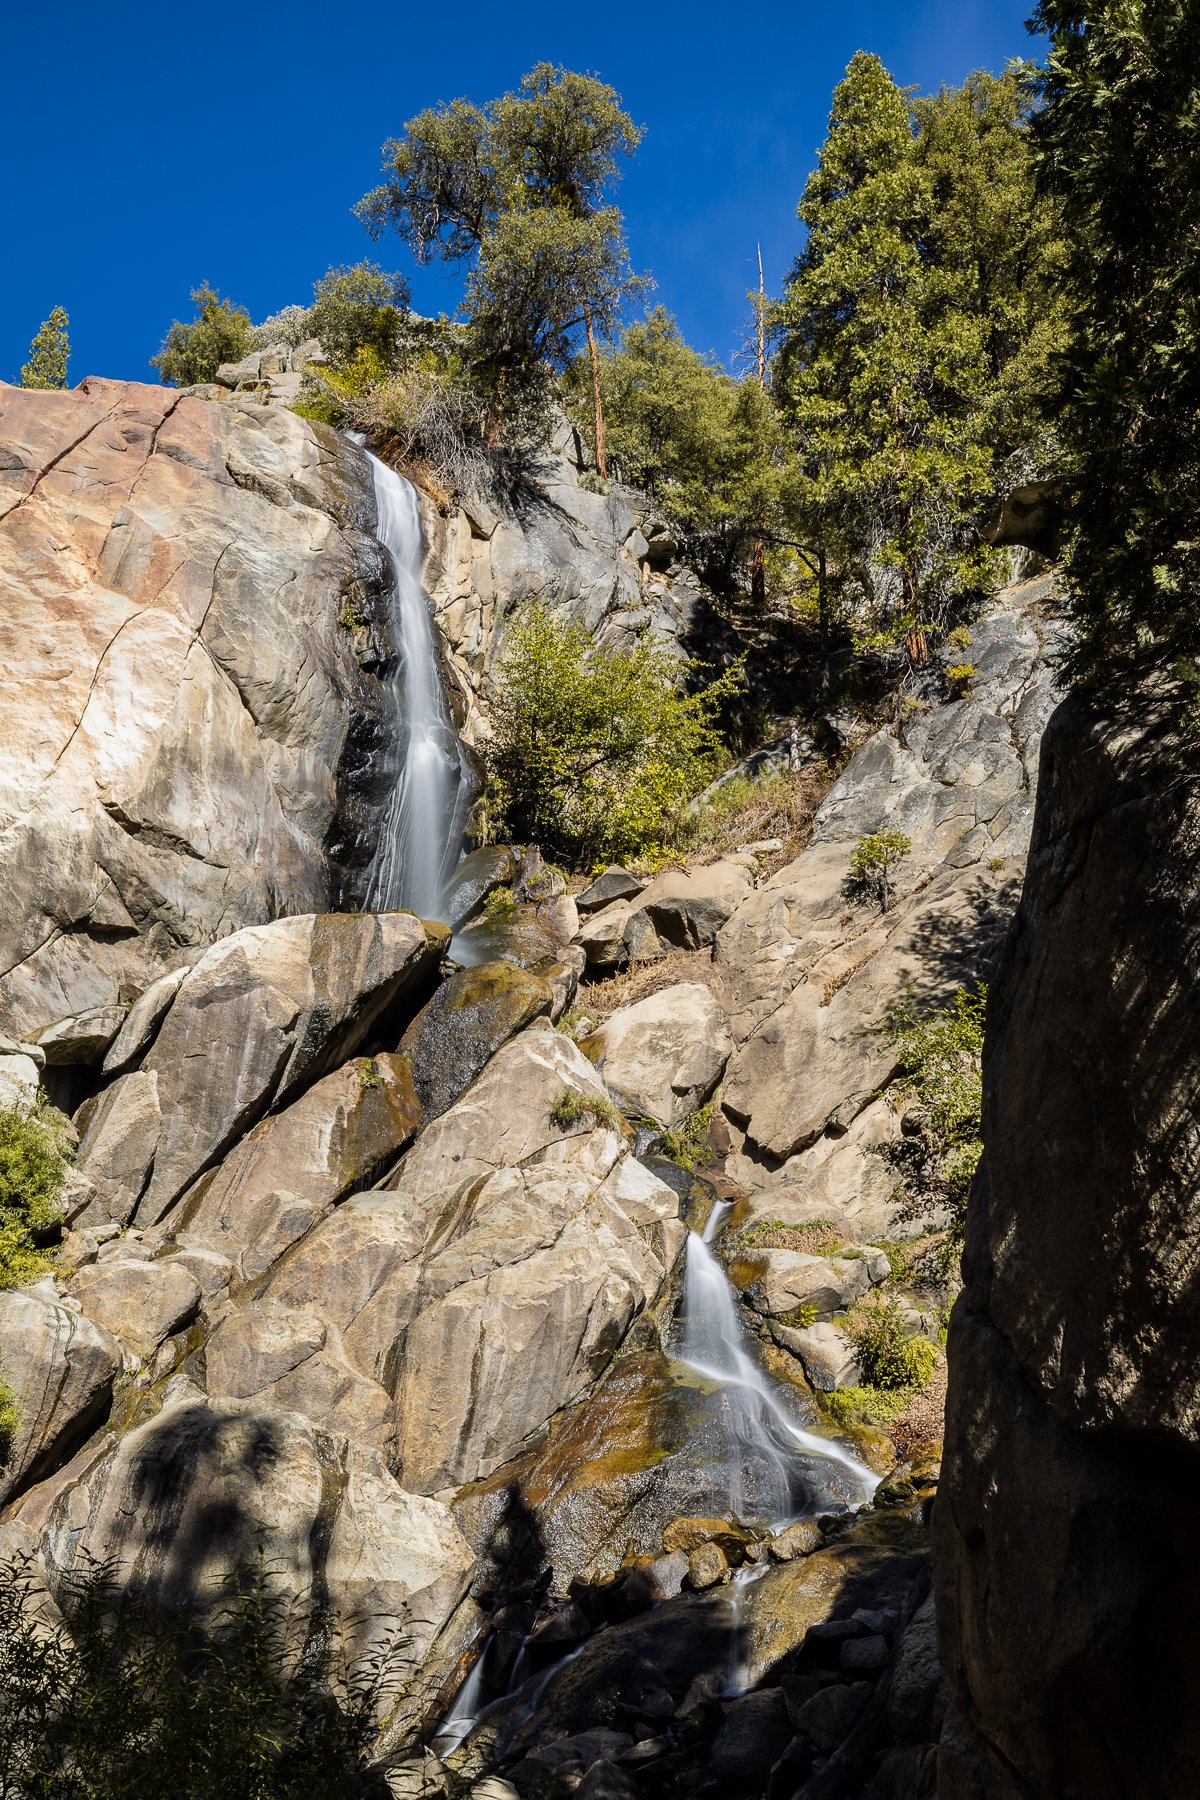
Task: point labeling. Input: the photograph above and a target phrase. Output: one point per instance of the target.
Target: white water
(421, 833)
(761, 1433)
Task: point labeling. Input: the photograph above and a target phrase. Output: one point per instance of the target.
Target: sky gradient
(166, 145)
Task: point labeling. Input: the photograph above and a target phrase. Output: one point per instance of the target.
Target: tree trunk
(601, 461)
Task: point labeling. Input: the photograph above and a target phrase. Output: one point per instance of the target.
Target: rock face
(1066, 1568)
(199, 557)
(662, 1057)
(808, 974)
(262, 1014)
(61, 1368)
(189, 1498)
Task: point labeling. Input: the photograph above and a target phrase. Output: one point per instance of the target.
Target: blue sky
(167, 144)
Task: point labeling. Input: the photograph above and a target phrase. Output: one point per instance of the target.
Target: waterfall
(422, 829)
(770, 1460)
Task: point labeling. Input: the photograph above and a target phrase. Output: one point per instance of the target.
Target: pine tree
(876, 371)
(48, 353)
(1119, 147)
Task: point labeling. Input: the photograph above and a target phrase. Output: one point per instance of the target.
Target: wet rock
(800, 1539)
(292, 1168)
(61, 1368)
(755, 1731)
(471, 1015)
(706, 1566)
(690, 1534)
(615, 884)
(81, 1039)
(141, 1303)
(263, 1014)
(663, 1056)
(477, 876)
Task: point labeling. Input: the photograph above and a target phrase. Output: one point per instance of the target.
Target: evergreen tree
(1119, 146)
(48, 353)
(519, 188)
(877, 372)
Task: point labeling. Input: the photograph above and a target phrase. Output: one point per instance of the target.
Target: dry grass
(747, 811)
(603, 998)
(817, 1238)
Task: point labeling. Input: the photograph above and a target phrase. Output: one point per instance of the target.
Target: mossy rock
(477, 876)
(472, 1014)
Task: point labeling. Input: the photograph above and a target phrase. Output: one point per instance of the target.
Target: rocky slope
(365, 1269)
(1072, 1440)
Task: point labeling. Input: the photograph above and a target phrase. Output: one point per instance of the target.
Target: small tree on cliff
(1119, 143)
(519, 188)
(193, 352)
(48, 353)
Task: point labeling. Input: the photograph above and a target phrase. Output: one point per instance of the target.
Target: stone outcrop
(263, 1013)
(199, 558)
(60, 1368)
(662, 1057)
(1066, 1565)
(808, 973)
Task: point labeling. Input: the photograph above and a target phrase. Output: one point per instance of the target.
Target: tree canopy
(193, 351)
(1118, 144)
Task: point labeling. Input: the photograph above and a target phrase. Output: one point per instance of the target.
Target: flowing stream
(761, 1435)
(422, 830)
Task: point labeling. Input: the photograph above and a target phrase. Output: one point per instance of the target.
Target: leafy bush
(357, 308)
(940, 1059)
(126, 1702)
(959, 677)
(871, 863)
(193, 352)
(33, 1164)
(748, 809)
(889, 1355)
(688, 1144)
(594, 751)
(865, 1405)
(288, 326)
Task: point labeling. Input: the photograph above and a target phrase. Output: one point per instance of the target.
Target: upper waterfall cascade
(422, 829)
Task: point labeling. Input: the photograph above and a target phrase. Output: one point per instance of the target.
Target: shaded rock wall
(180, 681)
(1067, 1576)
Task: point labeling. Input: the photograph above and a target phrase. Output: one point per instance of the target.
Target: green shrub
(572, 1108)
(193, 352)
(871, 863)
(128, 1701)
(889, 1355)
(357, 308)
(33, 1164)
(941, 1066)
(959, 677)
(865, 1405)
(688, 1144)
(10, 1419)
(594, 751)
(959, 638)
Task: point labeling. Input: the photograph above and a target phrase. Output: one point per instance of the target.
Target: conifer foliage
(1119, 149)
(48, 354)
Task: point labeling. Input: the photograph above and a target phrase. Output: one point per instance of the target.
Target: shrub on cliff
(357, 308)
(193, 351)
(127, 1702)
(33, 1163)
(940, 1057)
(594, 750)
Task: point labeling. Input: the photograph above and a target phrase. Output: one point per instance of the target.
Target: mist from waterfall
(771, 1461)
(421, 833)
